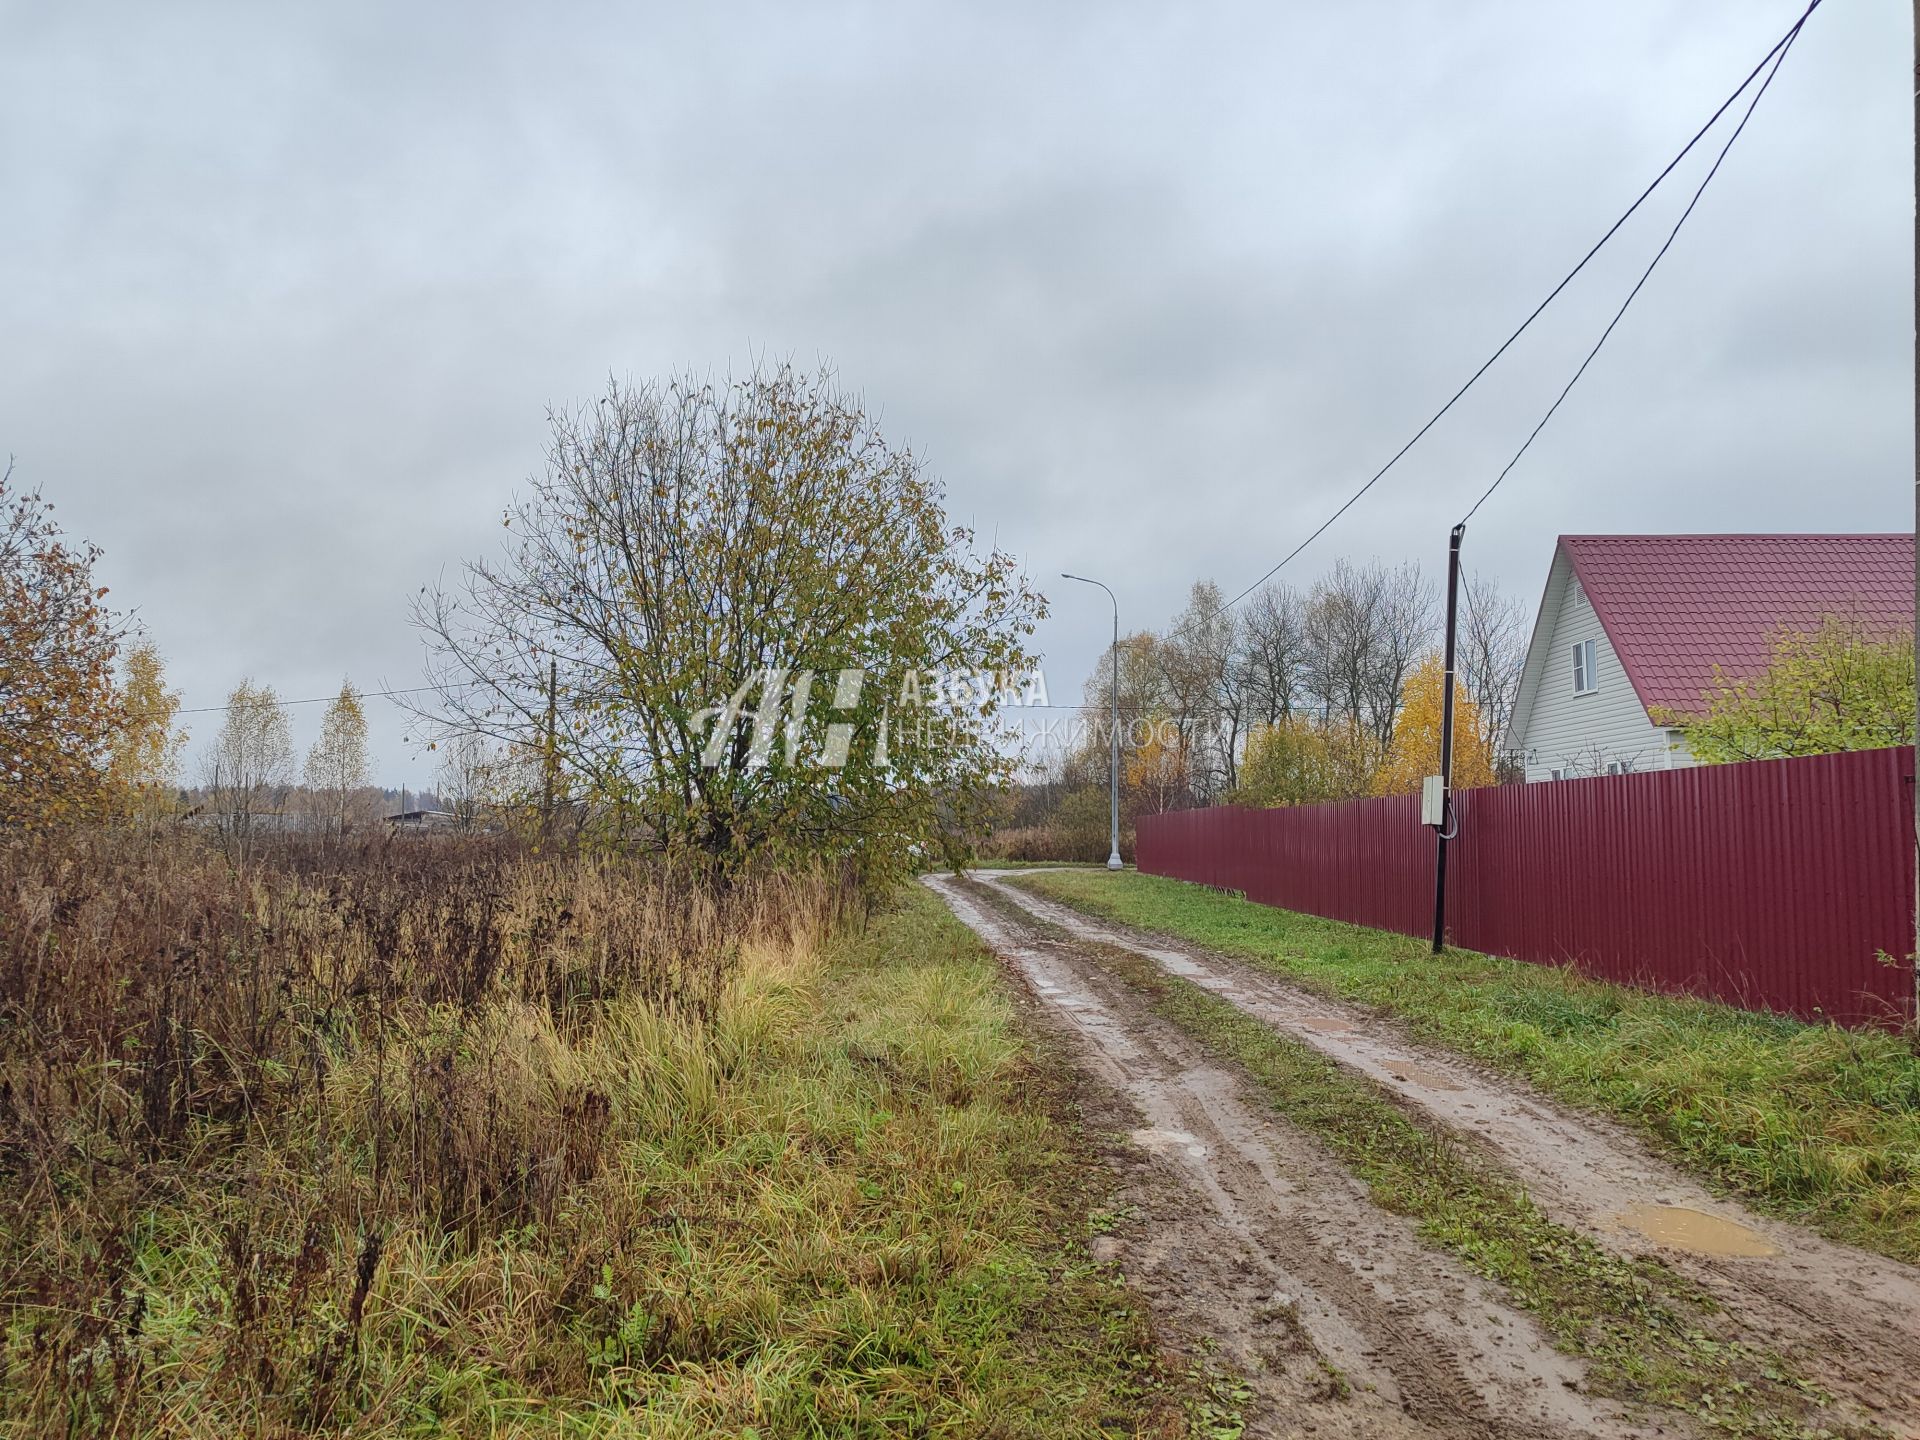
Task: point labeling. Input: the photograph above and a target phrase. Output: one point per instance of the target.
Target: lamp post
(1113, 859)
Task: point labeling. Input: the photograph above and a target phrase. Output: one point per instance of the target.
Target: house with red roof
(1633, 626)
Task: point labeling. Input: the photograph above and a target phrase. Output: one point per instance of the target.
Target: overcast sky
(288, 288)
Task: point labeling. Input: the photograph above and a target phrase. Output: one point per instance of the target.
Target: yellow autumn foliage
(59, 706)
(1298, 760)
(1156, 772)
(1415, 751)
(143, 761)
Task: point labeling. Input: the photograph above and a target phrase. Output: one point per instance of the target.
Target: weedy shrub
(234, 1097)
(1054, 844)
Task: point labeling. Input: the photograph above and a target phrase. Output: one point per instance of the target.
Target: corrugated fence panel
(1776, 885)
(1358, 861)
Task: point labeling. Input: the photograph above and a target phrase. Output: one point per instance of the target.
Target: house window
(1558, 774)
(1613, 767)
(1583, 676)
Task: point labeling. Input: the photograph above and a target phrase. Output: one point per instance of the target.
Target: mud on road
(1250, 1236)
(1342, 1320)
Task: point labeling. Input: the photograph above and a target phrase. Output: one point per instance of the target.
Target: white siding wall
(1582, 734)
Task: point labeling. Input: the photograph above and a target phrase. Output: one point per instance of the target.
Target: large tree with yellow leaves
(1414, 752)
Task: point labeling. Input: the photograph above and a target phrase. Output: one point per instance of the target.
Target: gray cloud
(1151, 287)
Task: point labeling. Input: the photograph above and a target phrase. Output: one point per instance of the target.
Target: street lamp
(1113, 860)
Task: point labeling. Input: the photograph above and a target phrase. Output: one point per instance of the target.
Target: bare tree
(1339, 627)
(1229, 718)
(1404, 632)
(1145, 703)
(1590, 761)
(1271, 662)
(1366, 627)
(1492, 645)
(1196, 660)
(475, 776)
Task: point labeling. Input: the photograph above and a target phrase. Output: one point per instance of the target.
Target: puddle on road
(1151, 1139)
(1325, 1025)
(1687, 1229)
(1420, 1075)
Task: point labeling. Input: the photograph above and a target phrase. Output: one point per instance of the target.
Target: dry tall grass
(239, 1106)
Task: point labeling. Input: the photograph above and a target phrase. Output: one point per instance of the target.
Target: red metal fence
(1775, 885)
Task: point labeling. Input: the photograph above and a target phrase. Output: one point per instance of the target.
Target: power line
(465, 684)
(1647, 274)
(1774, 56)
(1779, 51)
(309, 700)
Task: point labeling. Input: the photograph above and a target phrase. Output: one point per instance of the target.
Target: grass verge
(987, 864)
(1647, 1334)
(1813, 1122)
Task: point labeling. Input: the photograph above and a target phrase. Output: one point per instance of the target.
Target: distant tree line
(1292, 697)
(1335, 692)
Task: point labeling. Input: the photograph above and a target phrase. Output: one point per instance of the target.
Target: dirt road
(1253, 1235)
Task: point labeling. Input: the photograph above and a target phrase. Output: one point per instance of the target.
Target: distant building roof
(1675, 606)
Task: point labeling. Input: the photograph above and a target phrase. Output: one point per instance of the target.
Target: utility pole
(1916, 503)
(1114, 861)
(1445, 831)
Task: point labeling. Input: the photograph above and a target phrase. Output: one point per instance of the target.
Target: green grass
(848, 1205)
(1812, 1122)
(988, 864)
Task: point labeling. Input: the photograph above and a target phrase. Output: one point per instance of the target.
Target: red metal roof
(1675, 606)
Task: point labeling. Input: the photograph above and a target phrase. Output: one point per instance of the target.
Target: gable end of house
(1579, 710)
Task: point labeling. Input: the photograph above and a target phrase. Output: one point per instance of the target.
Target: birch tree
(1366, 626)
(250, 761)
(1414, 752)
(144, 755)
(337, 763)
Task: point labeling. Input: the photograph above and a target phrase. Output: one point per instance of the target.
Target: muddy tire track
(1258, 1239)
(1847, 1319)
